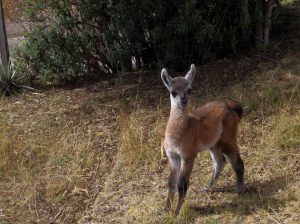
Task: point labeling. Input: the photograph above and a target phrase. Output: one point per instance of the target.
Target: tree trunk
(271, 4)
(259, 24)
(3, 39)
(245, 17)
(138, 61)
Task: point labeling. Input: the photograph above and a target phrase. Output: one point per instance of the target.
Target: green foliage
(50, 55)
(8, 80)
(73, 39)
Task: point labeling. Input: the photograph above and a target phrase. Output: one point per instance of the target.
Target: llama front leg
(183, 180)
(174, 165)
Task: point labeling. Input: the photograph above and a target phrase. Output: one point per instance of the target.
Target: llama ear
(166, 78)
(191, 74)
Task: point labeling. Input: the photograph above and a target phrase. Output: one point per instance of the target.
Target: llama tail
(236, 107)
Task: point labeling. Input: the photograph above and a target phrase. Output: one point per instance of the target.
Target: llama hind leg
(233, 155)
(219, 161)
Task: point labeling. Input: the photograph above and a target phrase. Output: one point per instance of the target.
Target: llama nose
(184, 99)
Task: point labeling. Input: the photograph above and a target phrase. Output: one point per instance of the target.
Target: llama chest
(172, 146)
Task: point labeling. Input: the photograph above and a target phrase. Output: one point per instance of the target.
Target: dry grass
(51, 162)
(93, 155)
(270, 147)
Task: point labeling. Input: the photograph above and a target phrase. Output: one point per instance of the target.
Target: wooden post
(3, 40)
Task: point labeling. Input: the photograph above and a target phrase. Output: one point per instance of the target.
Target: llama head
(180, 87)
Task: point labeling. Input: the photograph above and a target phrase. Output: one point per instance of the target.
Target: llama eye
(189, 91)
(174, 94)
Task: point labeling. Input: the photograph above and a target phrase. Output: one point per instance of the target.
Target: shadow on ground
(257, 195)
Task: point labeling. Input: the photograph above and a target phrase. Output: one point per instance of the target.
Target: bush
(81, 38)
(50, 55)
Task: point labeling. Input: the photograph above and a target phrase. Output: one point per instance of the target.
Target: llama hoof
(206, 190)
(240, 190)
(165, 210)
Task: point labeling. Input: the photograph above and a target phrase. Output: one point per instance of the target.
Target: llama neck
(178, 120)
(177, 110)
(178, 113)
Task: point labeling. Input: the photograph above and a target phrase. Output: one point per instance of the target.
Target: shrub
(7, 79)
(73, 39)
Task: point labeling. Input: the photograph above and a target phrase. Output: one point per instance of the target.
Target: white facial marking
(175, 102)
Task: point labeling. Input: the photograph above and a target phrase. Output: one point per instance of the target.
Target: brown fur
(202, 125)
(213, 126)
